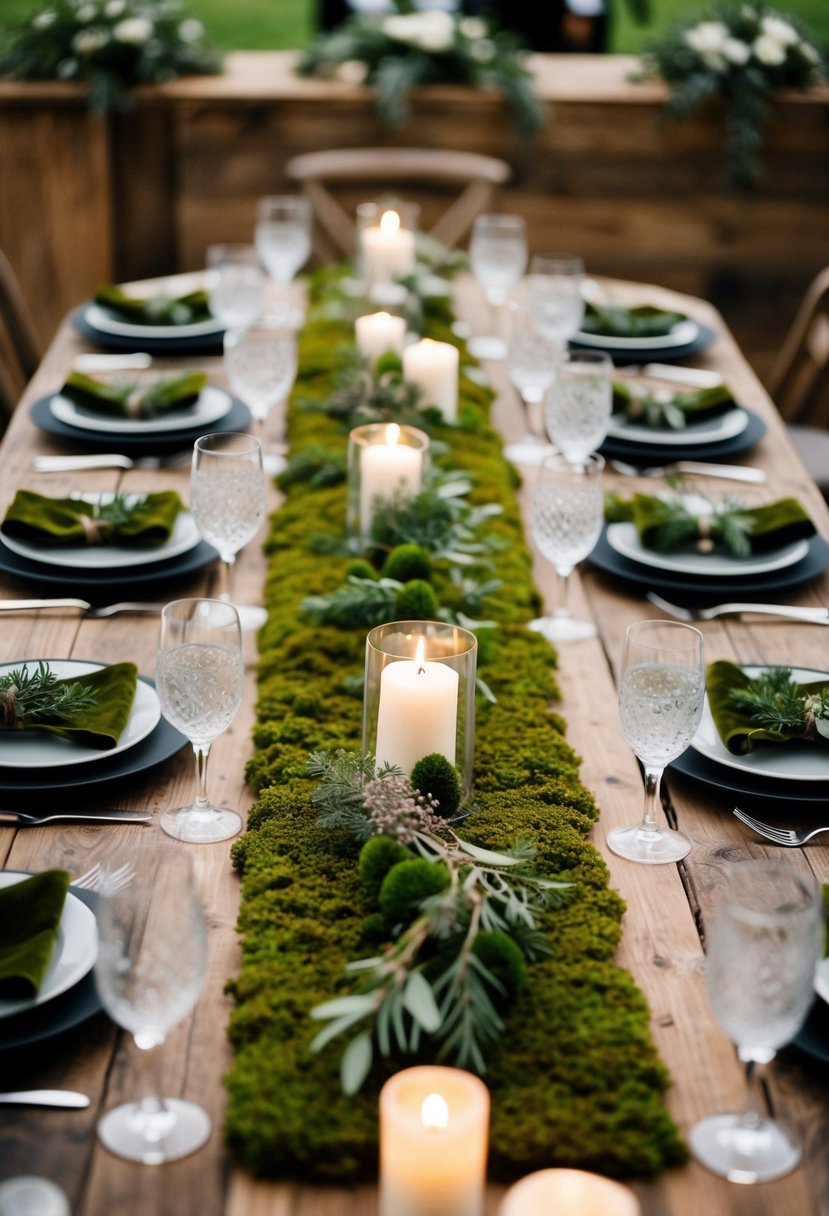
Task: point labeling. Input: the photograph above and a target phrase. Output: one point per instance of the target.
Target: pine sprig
(774, 700)
(29, 696)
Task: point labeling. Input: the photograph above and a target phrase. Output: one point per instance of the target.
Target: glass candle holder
(419, 695)
(568, 1193)
(385, 461)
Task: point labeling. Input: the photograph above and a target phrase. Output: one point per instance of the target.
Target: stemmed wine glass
(199, 676)
(227, 502)
(530, 365)
(764, 947)
(498, 256)
(235, 284)
(554, 293)
(580, 403)
(283, 235)
(567, 514)
(260, 364)
(152, 957)
(661, 696)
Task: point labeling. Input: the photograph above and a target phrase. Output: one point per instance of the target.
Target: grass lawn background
(276, 24)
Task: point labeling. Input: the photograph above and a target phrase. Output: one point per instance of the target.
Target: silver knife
(24, 820)
(112, 363)
(46, 1097)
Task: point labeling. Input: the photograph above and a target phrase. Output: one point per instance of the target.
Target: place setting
(166, 321)
(637, 333)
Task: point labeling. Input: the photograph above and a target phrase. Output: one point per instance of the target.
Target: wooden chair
(436, 171)
(799, 380)
(20, 345)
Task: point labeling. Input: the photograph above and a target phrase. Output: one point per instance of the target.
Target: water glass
(580, 403)
(283, 235)
(531, 365)
(554, 293)
(152, 958)
(260, 363)
(661, 696)
(763, 950)
(567, 516)
(235, 284)
(199, 677)
(498, 256)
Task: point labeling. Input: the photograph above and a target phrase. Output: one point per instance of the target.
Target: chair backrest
(437, 171)
(20, 345)
(799, 380)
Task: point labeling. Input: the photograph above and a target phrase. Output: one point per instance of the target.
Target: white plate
(682, 334)
(40, 749)
(75, 951)
(822, 981)
(108, 323)
(713, 430)
(788, 762)
(213, 404)
(184, 537)
(624, 539)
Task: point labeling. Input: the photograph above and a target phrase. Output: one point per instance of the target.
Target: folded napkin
(157, 310)
(90, 709)
(611, 320)
(30, 913)
(666, 524)
(126, 401)
(147, 522)
(739, 724)
(674, 410)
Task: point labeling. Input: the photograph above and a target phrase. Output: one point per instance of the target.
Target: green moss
(504, 961)
(361, 569)
(407, 884)
(434, 776)
(377, 857)
(407, 561)
(417, 601)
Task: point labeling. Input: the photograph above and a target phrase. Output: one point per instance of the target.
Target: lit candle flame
(434, 1112)
(420, 658)
(392, 434)
(389, 221)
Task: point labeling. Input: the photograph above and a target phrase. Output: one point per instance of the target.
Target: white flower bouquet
(399, 51)
(741, 53)
(109, 44)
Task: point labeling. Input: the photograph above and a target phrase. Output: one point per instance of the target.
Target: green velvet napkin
(98, 724)
(71, 521)
(30, 913)
(673, 410)
(666, 524)
(734, 723)
(157, 310)
(611, 320)
(125, 401)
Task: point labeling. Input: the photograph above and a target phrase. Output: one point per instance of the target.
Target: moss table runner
(575, 1078)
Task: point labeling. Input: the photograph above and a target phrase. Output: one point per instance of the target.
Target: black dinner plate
(211, 343)
(109, 583)
(649, 354)
(72, 1007)
(236, 419)
(655, 453)
(813, 1036)
(751, 789)
(689, 588)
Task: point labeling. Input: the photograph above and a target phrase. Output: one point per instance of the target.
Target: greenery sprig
(461, 921)
(777, 702)
(29, 696)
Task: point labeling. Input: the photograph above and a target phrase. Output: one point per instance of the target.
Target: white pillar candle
(388, 250)
(568, 1193)
(387, 469)
(380, 332)
(433, 367)
(434, 1127)
(417, 712)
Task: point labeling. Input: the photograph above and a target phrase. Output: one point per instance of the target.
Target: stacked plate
(105, 328)
(100, 572)
(718, 438)
(687, 338)
(813, 1036)
(67, 995)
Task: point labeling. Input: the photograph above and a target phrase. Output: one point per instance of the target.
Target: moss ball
(406, 562)
(389, 364)
(416, 602)
(503, 958)
(360, 568)
(377, 857)
(436, 777)
(376, 929)
(407, 884)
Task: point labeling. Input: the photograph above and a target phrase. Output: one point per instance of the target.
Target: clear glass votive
(419, 695)
(385, 461)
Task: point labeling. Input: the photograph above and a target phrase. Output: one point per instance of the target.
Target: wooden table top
(667, 905)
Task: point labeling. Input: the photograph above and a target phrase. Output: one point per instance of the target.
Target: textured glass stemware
(498, 256)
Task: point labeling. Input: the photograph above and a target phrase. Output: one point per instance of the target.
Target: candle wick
(421, 670)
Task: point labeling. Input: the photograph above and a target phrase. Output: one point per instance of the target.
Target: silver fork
(109, 460)
(139, 607)
(730, 472)
(788, 837)
(99, 878)
(792, 612)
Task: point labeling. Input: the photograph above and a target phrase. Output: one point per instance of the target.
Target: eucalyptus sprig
(29, 696)
(441, 521)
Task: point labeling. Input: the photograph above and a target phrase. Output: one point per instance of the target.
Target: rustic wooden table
(668, 906)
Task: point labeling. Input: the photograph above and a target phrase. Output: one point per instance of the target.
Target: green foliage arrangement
(740, 52)
(397, 52)
(109, 44)
(776, 702)
(29, 696)
(574, 1077)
